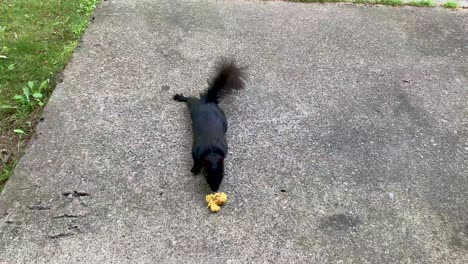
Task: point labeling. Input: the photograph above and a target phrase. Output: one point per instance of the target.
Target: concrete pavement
(349, 144)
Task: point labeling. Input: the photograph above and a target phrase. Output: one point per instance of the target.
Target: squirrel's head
(213, 165)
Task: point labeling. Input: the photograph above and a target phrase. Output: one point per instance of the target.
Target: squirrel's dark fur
(209, 124)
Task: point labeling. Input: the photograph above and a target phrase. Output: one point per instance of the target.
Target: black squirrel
(209, 124)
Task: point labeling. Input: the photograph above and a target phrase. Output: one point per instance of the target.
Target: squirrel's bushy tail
(228, 77)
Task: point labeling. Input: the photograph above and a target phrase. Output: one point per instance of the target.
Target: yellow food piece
(214, 207)
(220, 198)
(209, 198)
(215, 201)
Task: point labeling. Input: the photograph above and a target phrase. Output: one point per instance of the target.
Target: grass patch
(422, 3)
(450, 4)
(4, 175)
(380, 2)
(37, 39)
(390, 2)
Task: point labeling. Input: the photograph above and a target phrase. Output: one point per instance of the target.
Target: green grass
(450, 4)
(390, 2)
(422, 3)
(380, 2)
(37, 38)
(4, 175)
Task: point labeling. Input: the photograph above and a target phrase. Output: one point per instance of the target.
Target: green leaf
(37, 95)
(43, 85)
(19, 131)
(18, 97)
(7, 107)
(26, 93)
(40, 104)
(31, 84)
